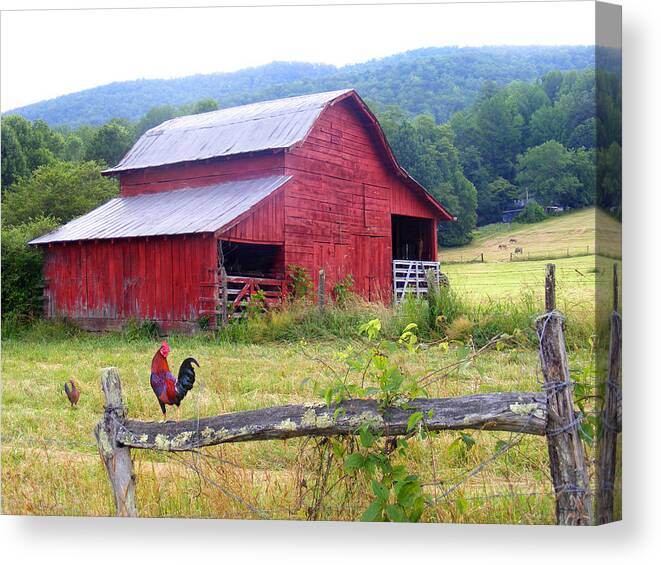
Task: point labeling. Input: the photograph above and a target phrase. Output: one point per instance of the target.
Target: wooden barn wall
(201, 173)
(263, 224)
(160, 279)
(338, 206)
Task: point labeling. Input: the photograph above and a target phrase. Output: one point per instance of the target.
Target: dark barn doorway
(412, 238)
(254, 260)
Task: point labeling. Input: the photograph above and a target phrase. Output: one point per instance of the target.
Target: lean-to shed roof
(182, 211)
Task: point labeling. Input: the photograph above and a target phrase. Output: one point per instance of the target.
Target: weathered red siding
(200, 173)
(101, 284)
(263, 224)
(339, 204)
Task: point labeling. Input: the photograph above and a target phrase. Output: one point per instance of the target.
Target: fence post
(321, 290)
(223, 284)
(224, 316)
(607, 456)
(566, 453)
(116, 458)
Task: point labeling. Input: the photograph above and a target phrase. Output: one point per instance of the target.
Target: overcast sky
(50, 53)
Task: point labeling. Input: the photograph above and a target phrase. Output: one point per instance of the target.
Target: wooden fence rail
(550, 413)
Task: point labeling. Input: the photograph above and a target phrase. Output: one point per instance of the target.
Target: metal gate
(410, 277)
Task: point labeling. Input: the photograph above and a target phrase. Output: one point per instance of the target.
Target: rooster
(167, 389)
(73, 394)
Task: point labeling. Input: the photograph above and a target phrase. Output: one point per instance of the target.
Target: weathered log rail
(547, 413)
(510, 411)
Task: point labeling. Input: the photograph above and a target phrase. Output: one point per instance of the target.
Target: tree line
(542, 139)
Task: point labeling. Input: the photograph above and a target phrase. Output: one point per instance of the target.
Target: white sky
(49, 53)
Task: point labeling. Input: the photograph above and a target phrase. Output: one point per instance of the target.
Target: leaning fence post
(116, 458)
(566, 453)
(607, 456)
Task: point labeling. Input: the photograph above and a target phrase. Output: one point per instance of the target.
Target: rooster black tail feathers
(185, 378)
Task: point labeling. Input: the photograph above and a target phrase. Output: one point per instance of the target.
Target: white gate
(411, 277)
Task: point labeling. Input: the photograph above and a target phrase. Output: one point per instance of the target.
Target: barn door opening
(412, 238)
(413, 254)
(251, 269)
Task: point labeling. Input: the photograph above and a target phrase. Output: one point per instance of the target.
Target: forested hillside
(437, 81)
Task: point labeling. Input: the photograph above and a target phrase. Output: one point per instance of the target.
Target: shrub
(342, 290)
(22, 276)
(531, 214)
(300, 283)
(137, 330)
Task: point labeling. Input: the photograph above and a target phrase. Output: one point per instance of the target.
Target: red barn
(308, 181)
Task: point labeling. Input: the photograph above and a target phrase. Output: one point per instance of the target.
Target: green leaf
(461, 505)
(354, 462)
(374, 512)
(410, 327)
(500, 445)
(396, 513)
(380, 491)
(468, 440)
(366, 437)
(413, 421)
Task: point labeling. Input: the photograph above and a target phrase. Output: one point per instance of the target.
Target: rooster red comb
(165, 349)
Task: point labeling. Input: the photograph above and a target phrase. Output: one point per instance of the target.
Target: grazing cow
(502, 246)
(512, 240)
(519, 250)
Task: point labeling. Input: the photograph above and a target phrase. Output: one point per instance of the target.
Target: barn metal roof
(182, 211)
(275, 124)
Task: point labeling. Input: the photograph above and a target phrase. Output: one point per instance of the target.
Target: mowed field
(574, 233)
(50, 464)
(581, 278)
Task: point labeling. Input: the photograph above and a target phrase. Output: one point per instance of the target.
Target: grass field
(50, 464)
(573, 233)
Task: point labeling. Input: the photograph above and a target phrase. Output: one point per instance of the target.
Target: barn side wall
(339, 204)
(102, 284)
(265, 223)
(199, 173)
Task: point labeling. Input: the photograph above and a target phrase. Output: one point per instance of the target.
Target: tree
(609, 179)
(547, 172)
(493, 198)
(28, 146)
(546, 124)
(155, 117)
(110, 143)
(205, 105)
(22, 269)
(14, 162)
(60, 190)
(426, 150)
(499, 125)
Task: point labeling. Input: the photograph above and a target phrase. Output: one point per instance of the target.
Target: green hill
(437, 81)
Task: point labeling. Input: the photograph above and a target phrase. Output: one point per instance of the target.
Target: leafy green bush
(299, 282)
(531, 214)
(22, 270)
